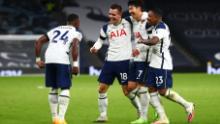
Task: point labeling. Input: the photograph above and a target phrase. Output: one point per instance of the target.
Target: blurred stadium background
(194, 25)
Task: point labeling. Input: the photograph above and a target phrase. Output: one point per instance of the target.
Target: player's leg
(50, 80)
(53, 102)
(174, 96)
(102, 102)
(152, 83)
(143, 90)
(132, 88)
(106, 79)
(64, 82)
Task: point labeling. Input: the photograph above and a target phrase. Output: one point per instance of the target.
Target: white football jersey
(60, 41)
(161, 57)
(139, 29)
(119, 39)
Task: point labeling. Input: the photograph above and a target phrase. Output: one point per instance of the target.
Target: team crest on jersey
(118, 33)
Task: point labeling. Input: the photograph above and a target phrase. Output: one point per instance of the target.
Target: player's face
(134, 11)
(152, 18)
(114, 16)
(77, 23)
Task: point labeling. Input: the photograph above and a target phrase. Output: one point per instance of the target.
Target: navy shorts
(159, 78)
(58, 76)
(112, 70)
(138, 72)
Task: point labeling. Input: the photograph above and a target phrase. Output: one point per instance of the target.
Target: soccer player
(118, 34)
(58, 67)
(159, 77)
(141, 57)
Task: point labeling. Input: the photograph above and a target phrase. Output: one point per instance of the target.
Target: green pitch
(23, 100)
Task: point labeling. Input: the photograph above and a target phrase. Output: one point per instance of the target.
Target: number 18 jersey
(60, 41)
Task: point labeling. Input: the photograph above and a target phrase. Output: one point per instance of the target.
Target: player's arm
(152, 41)
(75, 45)
(159, 34)
(98, 44)
(38, 45)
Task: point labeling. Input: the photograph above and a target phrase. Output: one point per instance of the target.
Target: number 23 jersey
(60, 41)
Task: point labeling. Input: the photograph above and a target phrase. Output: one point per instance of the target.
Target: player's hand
(75, 70)
(135, 52)
(93, 50)
(141, 40)
(40, 64)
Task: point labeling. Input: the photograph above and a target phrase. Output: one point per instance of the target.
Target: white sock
(156, 103)
(135, 100)
(63, 100)
(103, 104)
(144, 100)
(174, 96)
(53, 102)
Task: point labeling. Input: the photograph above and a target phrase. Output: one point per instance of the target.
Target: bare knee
(162, 92)
(103, 88)
(131, 86)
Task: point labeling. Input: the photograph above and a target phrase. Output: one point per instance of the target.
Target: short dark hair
(136, 3)
(157, 11)
(72, 17)
(116, 6)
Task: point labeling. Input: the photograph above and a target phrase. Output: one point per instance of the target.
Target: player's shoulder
(105, 27)
(144, 15)
(128, 19)
(161, 25)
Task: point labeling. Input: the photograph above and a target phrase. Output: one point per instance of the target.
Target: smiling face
(135, 12)
(153, 18)
(114, 16)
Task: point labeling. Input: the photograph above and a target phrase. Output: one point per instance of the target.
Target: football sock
(135, 100)
(174, 96)
(156, 103)
(103, 104)
(63, 100)
(53, 102)
(144, 100)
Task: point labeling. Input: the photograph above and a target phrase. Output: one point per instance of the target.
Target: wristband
(75, 63)
(38, 59)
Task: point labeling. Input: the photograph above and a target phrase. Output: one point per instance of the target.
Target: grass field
(23, 100)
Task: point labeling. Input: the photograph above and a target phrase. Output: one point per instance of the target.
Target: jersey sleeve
(78, 35)
(103, 32)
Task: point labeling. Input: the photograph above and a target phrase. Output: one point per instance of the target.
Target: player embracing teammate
(151, 66)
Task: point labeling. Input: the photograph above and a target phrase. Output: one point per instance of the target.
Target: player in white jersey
(159, 77)
(118, 34)
(58, 66)
(137, 91)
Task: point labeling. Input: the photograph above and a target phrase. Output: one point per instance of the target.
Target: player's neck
(139, 16)
(119, 22)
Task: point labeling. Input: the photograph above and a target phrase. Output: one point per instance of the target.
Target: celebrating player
(58, 67)
(118, 34)
(159, 78)
(141, 57)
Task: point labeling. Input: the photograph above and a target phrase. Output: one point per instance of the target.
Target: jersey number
(140, 72)
(124, 76)
(159, 80)
(58, 36)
